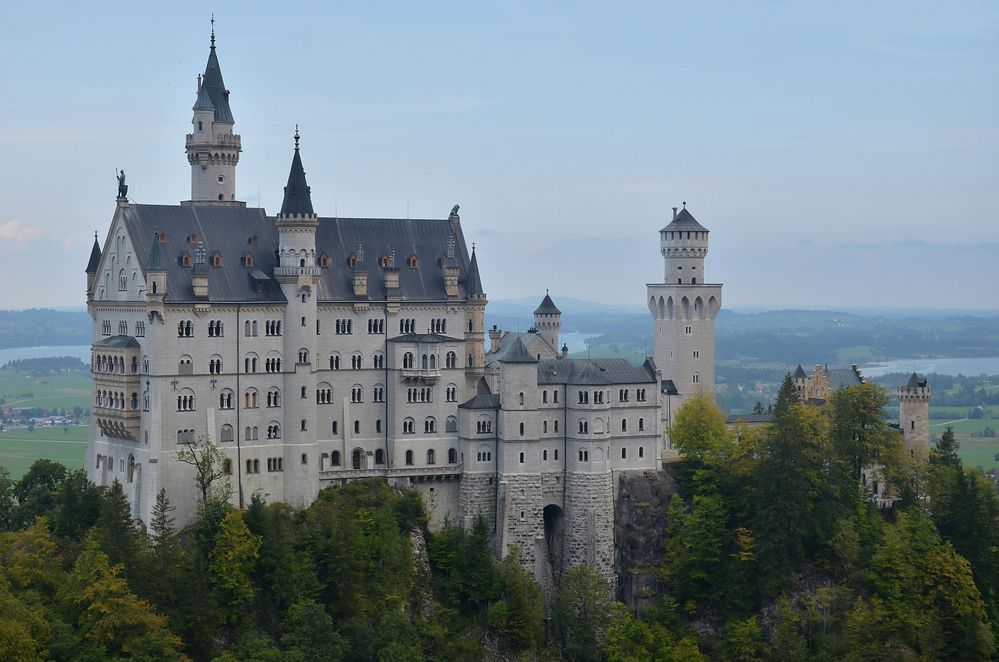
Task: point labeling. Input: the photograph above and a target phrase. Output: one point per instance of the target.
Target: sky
(841, 154)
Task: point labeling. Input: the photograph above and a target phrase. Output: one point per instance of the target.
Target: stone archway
(554, 520)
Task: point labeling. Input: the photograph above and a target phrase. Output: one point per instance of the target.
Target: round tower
(212, 147)
(914, 414)
(548, 322)
(298, 276)
(684, 308)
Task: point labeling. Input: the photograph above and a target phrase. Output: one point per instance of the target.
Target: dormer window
(185, 259)
(384, 262)
(352, 260)
(324, 261)
(248, 260)
(217, 260)
(414, 262)
(253, 241)
(192, 239)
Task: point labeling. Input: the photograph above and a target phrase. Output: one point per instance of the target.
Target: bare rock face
(639, 530)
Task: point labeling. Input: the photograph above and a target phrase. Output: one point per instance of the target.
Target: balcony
(296, 271)
(118, 423)
(429, 375)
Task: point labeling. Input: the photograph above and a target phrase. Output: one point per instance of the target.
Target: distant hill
(43, 326)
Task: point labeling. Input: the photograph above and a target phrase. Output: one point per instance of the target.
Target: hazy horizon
(859, 172)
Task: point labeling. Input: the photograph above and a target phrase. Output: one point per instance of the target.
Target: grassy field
(19, 448)
(52, 391)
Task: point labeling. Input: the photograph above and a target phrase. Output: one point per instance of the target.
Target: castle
(314, 351)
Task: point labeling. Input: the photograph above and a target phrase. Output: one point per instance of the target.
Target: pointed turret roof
(518, 353)
(213, 85)
(95, 257)
(547, 306)
(297, 196)
(204, 101)
(473, 284)
(684, 220)
(915, 381)
(155, 261)
(799, 373)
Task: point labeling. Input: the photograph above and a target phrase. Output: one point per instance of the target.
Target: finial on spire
(296, 136)
(95, 235)
(684, 204)
(473, 246)
(213, 29)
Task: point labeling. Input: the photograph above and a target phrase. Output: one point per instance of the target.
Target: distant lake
(576, 340)
(80, 351)
(970, 367)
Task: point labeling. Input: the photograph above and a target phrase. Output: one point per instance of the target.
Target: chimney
(391, 275)
(674, 213)
(361, 284)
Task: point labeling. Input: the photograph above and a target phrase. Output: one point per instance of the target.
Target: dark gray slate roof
(669, 388)
(214, 85)
(154, 261)
(749, 418)
(547, 307)
(95, 257)
(593, 371)
(236, 232)
(473, 284)
(204, 100)
(482, 401)
(117, 341)
(518, 353)
(916, 381)
(297, 195)
(685, 221)
(840, 378)
(799, 373)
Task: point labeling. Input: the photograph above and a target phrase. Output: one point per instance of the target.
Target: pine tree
(945, 452)
(117, 535)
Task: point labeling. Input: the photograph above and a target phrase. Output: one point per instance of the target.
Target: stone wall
(639, 531)
(589, 523)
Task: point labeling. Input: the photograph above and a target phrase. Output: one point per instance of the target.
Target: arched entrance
(358, 459)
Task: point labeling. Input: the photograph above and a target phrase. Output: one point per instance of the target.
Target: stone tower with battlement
(548, 322)
(212, 147)
(684, 307)
(914, 414)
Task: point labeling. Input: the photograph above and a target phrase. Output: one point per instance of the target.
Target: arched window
(544, 397)
(544, 427)
(379, 456)
(451, 360)
(521, 429)
(521, 458)
(624, 425)
(335, 458)
(430, 424)
(408, 426)
(624, 453)
(695, 378)
(407, 361)
(304, 425)
(431, 457)
(451, 424)
(409, 458)
(641, 424)
(452, 456)
(641, 451)
(226, 434)
(334, 361)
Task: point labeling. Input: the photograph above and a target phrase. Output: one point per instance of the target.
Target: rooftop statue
(122, 187)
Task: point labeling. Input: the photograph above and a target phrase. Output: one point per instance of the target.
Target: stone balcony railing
(442, 470)
(296, 271)
(118, 423)
(421, 374)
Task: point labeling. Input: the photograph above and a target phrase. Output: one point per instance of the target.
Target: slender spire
(473, 284)
(155, 261)
(95, 257)
(297, 195)
(212, 83)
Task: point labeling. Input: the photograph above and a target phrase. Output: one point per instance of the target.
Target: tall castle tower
(914, 414)
(212, 148)
(298, 275)
(684, 308)
(548, 321)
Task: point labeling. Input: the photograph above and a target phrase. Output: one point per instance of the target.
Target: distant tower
(548, 321)
(914, 414)
(800, 381)
(298, 276)
(683, 310)
(475, 331)
(212, 148)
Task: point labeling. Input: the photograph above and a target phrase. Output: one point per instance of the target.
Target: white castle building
(315, 351)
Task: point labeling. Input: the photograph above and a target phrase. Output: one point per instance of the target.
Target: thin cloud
(14, 230)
